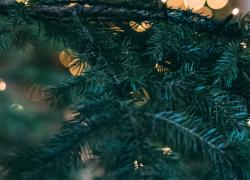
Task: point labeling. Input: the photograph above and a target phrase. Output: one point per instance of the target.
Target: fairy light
(235, 11)
(2, 85)
(166, 150)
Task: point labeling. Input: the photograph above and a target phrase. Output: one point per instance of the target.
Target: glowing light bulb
(174, 4)
(205, 11)
(2, 85)
(163, 1)
(194, 4)
(235, 11)
(217, 4)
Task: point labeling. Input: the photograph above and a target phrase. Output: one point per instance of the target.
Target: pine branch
(123, 13)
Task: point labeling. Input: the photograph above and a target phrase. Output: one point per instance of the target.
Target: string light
(2, 85)
(194, 4)
(217, 4)
(235, 11)
(166, 150)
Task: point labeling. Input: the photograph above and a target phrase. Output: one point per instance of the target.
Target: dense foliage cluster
(169, 102)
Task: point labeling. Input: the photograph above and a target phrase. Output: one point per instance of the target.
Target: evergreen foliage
(182, 84)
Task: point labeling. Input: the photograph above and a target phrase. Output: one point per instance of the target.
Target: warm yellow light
(160, 68)
(166, 151)
(77, 67)
(25, 2)
(235, 11)
(72, 4)
(194, 4)
(174, 4)
(140, 27)
(66, 58)
(2, 85)
(217, 4)
(205, 11)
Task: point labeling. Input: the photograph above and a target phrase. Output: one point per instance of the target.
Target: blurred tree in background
(143, 89)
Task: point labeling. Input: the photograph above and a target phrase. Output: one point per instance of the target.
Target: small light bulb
(235, 11)
(163, 1)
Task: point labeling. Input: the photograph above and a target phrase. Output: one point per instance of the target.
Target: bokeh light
(145, 25)
(174, 4)
(2, 85)
(205, 11)
(217, 4)
(194, 4)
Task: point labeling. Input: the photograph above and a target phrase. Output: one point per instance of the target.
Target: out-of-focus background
(25, 117)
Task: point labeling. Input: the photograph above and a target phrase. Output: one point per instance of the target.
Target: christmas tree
(156, 93)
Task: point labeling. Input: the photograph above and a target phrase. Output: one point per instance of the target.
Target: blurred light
(163, 1)
(145, 25)
(65, 58)
(194, 4)
(243, 45)
(70, 115)
(137, 164)
(25, 2)
(77, 67)
(217, 4)
(205, 11)
(34, 93)
(160, 68)
(2, 85)
(248, 121)
(166, 151)
(235, 11)
(174, 4)
(72, 4)
(16, 107)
